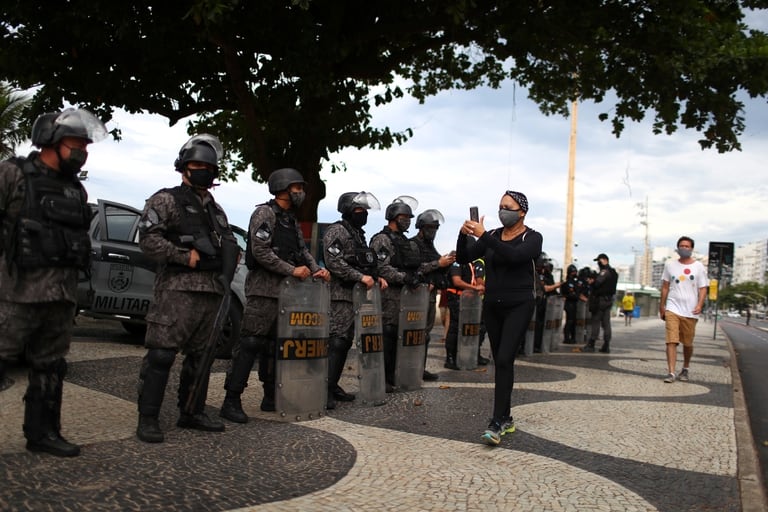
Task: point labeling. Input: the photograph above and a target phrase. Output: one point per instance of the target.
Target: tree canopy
(290, 82)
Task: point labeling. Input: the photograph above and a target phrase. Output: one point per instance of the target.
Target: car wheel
(135, 329)
(230, 333)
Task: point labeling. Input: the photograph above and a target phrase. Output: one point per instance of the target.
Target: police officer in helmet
(275, 250)
(399, 261)
(349, 260)
(434, 268)
(187, 233)
(43, 243)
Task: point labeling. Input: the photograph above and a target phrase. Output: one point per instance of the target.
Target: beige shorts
(680, 329)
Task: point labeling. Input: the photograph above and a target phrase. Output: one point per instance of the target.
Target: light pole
(647, 264)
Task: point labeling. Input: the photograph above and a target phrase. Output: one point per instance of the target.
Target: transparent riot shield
(553, 320)
(470, 313)
(529, 334)
(370, 344)
(409, 360)
(302, 352)
(582, 321)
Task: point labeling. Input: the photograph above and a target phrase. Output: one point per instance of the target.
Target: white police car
(122, 277)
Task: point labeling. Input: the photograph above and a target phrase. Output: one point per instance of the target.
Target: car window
(240, 235)
(120, 224)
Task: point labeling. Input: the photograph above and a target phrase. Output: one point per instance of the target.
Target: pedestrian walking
(510, 254)
(683, 291)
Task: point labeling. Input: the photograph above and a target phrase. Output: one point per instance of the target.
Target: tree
(287, 83)
(12, 130)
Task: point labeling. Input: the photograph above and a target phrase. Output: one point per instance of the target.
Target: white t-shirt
(684, 283)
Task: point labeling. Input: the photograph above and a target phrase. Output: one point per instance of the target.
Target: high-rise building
(750, 262)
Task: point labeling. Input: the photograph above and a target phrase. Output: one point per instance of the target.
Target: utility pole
(571, 182)
(647, 261)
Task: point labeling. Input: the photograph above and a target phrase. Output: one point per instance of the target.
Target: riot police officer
(43, 243)
(276, 249)
(433, 268)
(187, 233)
(571, 290)
(399, 261)
(349, 260)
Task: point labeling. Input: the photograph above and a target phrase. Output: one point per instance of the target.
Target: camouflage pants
(259, 317)
(181, 320)
(39, 332)
(342, 319)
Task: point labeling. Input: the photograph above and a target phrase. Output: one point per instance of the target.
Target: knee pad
(161, 357)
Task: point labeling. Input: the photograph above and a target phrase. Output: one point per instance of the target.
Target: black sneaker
(429, 376)
(340, 395)
(492, 435)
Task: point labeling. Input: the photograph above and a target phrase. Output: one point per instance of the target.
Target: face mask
(297, 198)
(684, 253)
(429, 234)
(508, 218)
(201, 178)
(403, 224)
(357, 219)
(74, 163)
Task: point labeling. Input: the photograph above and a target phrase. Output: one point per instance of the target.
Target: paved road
(750, 345)
(595, 432)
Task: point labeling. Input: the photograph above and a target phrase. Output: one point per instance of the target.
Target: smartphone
(473, 214)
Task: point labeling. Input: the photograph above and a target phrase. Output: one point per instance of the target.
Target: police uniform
(44, 242)
(275, 248)
(437, 277)
(571, 290)
(398, 263)
(465, 272)
(185, 300)
(348, 258)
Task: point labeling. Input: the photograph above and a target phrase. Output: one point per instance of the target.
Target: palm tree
(12, 134)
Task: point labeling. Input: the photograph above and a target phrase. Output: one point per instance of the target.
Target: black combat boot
(42, 412)
(232, 408)
(153, 378)
(606, 348)
(450, 363)
(589, 347)
(5, 381)
(148, 429)
(337, 356)
(194, 415)
(268, 401)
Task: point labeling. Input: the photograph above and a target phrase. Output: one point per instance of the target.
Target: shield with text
(369, 341)
(412, 337)
(553, 319)
(582, 321)
(470, 313)
(301, 370)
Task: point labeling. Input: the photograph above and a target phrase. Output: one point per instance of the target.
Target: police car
(122, 277)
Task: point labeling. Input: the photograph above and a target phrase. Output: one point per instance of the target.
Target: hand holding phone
(473, 214)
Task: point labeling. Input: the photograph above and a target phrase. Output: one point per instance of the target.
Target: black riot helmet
(48, 129)
(572, 269)
(401, 205)
(203, 148)
(428, 217)
(348, 201)
(281, 179)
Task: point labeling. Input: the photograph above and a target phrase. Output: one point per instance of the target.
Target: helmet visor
(366, 200)
(81, 123)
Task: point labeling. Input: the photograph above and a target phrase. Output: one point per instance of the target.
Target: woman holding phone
(510, 253)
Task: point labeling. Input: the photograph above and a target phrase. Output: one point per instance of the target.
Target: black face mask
(201, 178)
(72, 165)
(429, 234)
(357, 219)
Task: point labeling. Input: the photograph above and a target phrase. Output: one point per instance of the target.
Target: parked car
(121, 278)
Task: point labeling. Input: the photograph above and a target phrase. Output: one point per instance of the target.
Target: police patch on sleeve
(335, 248)
(150, 219)
(383, 254)
(264, 232)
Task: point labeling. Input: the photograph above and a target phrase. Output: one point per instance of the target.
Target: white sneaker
(670, 378)
(683, 375)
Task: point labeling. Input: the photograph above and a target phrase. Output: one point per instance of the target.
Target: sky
(468, 147)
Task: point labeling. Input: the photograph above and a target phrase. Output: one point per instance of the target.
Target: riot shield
(301, 370)
(530, 334)
(409, 360)
(553, 319)
(582, 317)
(470, 313)
(370, 344)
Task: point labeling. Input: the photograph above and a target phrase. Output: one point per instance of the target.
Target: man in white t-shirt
(683, 290)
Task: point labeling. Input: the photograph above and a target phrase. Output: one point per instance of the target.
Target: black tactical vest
(199, 228)
(363, 257)
(438, 277)
(52, 226)
(407, 256)
(286, 244)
